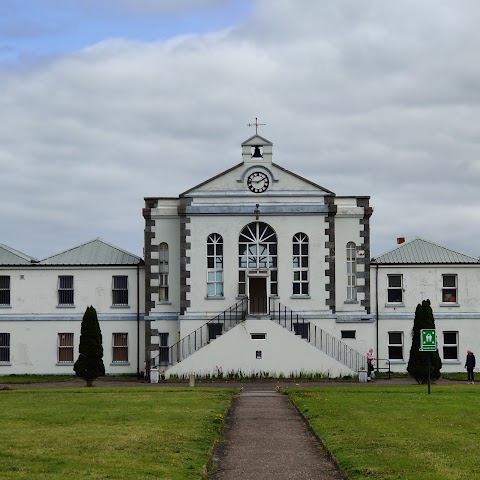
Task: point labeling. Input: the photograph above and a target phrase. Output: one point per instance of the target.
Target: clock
(257, 182)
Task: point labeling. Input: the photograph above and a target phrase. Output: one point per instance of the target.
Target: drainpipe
(138, 320)
(376, 309)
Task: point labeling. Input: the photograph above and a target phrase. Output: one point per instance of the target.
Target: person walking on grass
(470, 365)
(370, 364)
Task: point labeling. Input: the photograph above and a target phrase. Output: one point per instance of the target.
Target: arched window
(257, 249)
(300, 264)
(351, 272)
(163, 272)
(214, 265)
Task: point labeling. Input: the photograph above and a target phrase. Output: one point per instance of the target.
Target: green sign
(428, 340)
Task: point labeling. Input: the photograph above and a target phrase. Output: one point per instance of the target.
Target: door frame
(258, 273)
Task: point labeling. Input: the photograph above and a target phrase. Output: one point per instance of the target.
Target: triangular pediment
(256, 140)
(257, 176)
(234, 182)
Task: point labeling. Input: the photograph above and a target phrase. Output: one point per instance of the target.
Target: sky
(105, 102)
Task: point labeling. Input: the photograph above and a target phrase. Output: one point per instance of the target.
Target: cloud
(374, 99)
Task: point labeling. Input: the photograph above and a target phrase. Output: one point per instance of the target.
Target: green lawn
(398, 432)
(106, 432)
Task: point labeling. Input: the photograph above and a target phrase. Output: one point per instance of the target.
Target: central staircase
(278, 313)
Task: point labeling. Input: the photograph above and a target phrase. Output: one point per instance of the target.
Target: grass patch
(116, 433)
(397, 432)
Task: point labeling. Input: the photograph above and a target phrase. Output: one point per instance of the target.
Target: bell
(257, 153)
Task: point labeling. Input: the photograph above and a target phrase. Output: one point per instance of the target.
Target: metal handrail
(200, 337)
(316, 336)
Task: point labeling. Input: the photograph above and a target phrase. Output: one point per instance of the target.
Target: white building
(416, 271)
(275, 263)
(42, 305)
(256, 270)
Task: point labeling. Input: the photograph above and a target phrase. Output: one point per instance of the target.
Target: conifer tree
(418, 361)
(89, 364)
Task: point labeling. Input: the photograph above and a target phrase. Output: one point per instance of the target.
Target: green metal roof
(95, 252)
(9, 256)
(419, 251)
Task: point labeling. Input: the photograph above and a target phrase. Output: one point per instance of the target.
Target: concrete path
(268, 439)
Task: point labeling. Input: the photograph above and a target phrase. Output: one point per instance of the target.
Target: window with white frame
(163, 272)
(395, 345)
(257, 249)
(163, 356)
(300, 264)
(449, 288)
(4, 290)
(450, 345)
(214, 265)
(351, 271)
(120, 348)
(120, 290)
(395, 289)
(65, 348)
(65, 290)
(4, 348)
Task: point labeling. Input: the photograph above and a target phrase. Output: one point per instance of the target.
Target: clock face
(258, 182)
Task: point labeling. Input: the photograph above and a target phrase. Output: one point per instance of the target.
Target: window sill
(119, 363)
(451, 362)
(394, 304)
(119, 306)
(165, 302)
(351, 302)
(5, 306)
(449, 304)
(397, 362)
(63, 364)
(300, 297)
(213, 297)
(65, 306)
(5, 364)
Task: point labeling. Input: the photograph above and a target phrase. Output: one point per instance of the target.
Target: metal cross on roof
(256, 125)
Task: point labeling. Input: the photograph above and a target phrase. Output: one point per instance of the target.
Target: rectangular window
(449, 290)
(163, 356)
(65, 290)
(351, 272)
(120, 290)
(120, 348)
(395, 289)
(300, 253)
(258, 336)
(395, 345)
(348, 333)
(215, 283)
(450, 345)
(163, 267)
(65, 348)
(4, 290)
(4, 348)
(241, 282)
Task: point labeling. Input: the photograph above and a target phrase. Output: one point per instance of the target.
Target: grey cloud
(371, 99)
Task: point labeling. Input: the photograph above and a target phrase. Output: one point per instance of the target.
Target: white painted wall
(33, 346)
(34, 318)
(281, 353)
(421, 283)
